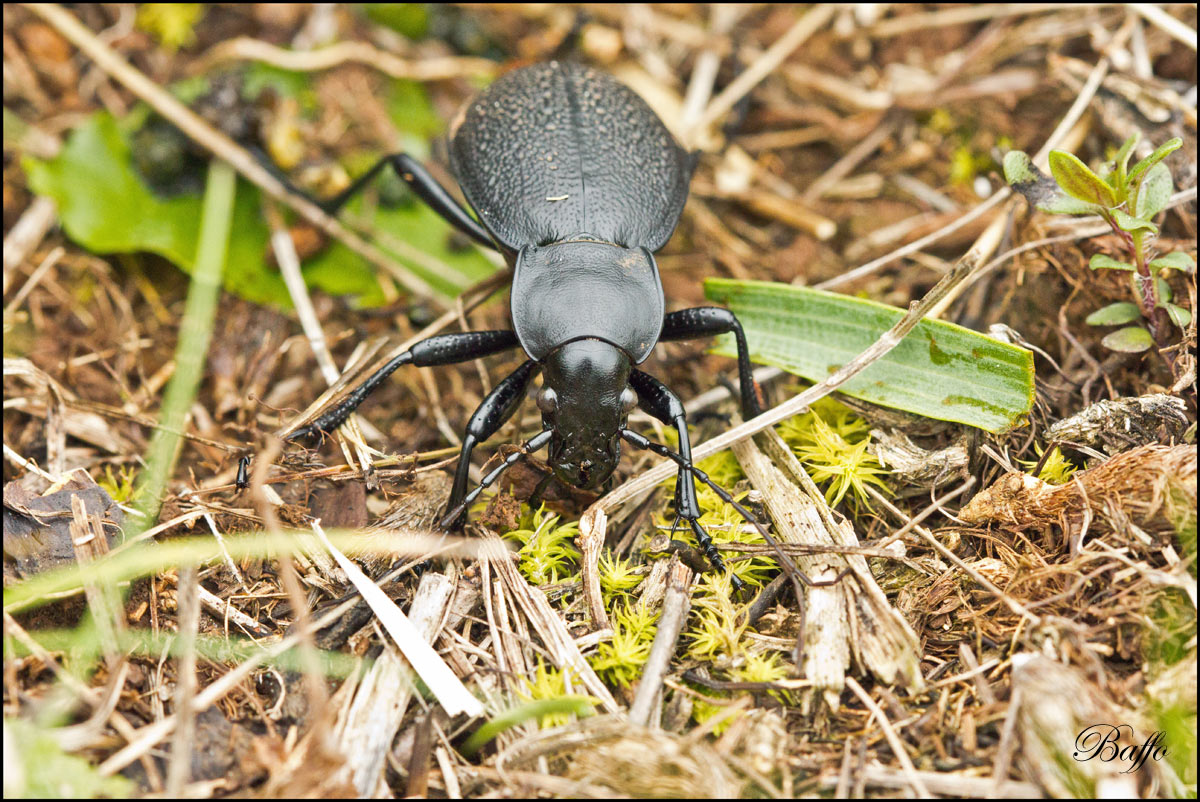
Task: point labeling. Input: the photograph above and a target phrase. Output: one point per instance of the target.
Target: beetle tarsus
(703, 539)
(243, 473)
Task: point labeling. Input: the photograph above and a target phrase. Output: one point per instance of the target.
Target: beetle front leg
(657, 399)
(441, 349)
(709, 321)
(413, 173)
(500, 405)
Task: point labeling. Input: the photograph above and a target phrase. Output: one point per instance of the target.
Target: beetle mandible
(577, 182)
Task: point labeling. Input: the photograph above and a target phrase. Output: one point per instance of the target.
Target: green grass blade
(940, 370)
(195, 332)
(143, 559)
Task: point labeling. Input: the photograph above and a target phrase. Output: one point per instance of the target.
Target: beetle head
(585, 400)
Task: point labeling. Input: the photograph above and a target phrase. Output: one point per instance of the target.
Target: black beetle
(577, 182)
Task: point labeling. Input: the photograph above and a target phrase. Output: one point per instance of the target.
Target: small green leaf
(1102, 261)
(1131, 340)
(1179, 316)
(106, 206)
(1121, 161)
(1114, 314)
(1039, 189)
(1127, 222)
(1154, 192)
(1019, 169)
(1163, 150)
(1177, 260)
(573, 705)
(1078, 181)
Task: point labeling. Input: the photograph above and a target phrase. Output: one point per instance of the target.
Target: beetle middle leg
(658, 400)
(708, 321)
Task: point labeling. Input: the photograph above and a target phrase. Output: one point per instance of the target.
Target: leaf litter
(989, 626)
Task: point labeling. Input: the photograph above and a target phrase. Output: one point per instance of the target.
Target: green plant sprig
(832, 443)
(547, 555)
(1128, 199)
(621, 658)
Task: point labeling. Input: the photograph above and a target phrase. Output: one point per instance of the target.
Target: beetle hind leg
(425, 186)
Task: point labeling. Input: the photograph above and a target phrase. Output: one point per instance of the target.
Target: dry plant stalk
(676, 603)
(528, 600)
(850, 616)
(367, 728)
(90, 544)
(592, 527)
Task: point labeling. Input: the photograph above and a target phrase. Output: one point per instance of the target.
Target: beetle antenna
(528, 447)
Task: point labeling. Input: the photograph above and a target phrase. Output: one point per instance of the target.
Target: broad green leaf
(1078, 181)
(1131, 340)
(939, 370)
(1154, 193)
(1114, 314)
(1177, 260)
(1127, 222)
(1160, 153)
(410, 109)
(37, 766)
(414, 227)
(411, 20)
(1179, 316)
(1102, 261)
(259, 77)
(106, 207)
(1164, 290)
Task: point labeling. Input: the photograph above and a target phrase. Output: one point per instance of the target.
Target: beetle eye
(547, 400)
(629, 400)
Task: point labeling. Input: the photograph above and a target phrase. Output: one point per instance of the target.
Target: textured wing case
(556, 150)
